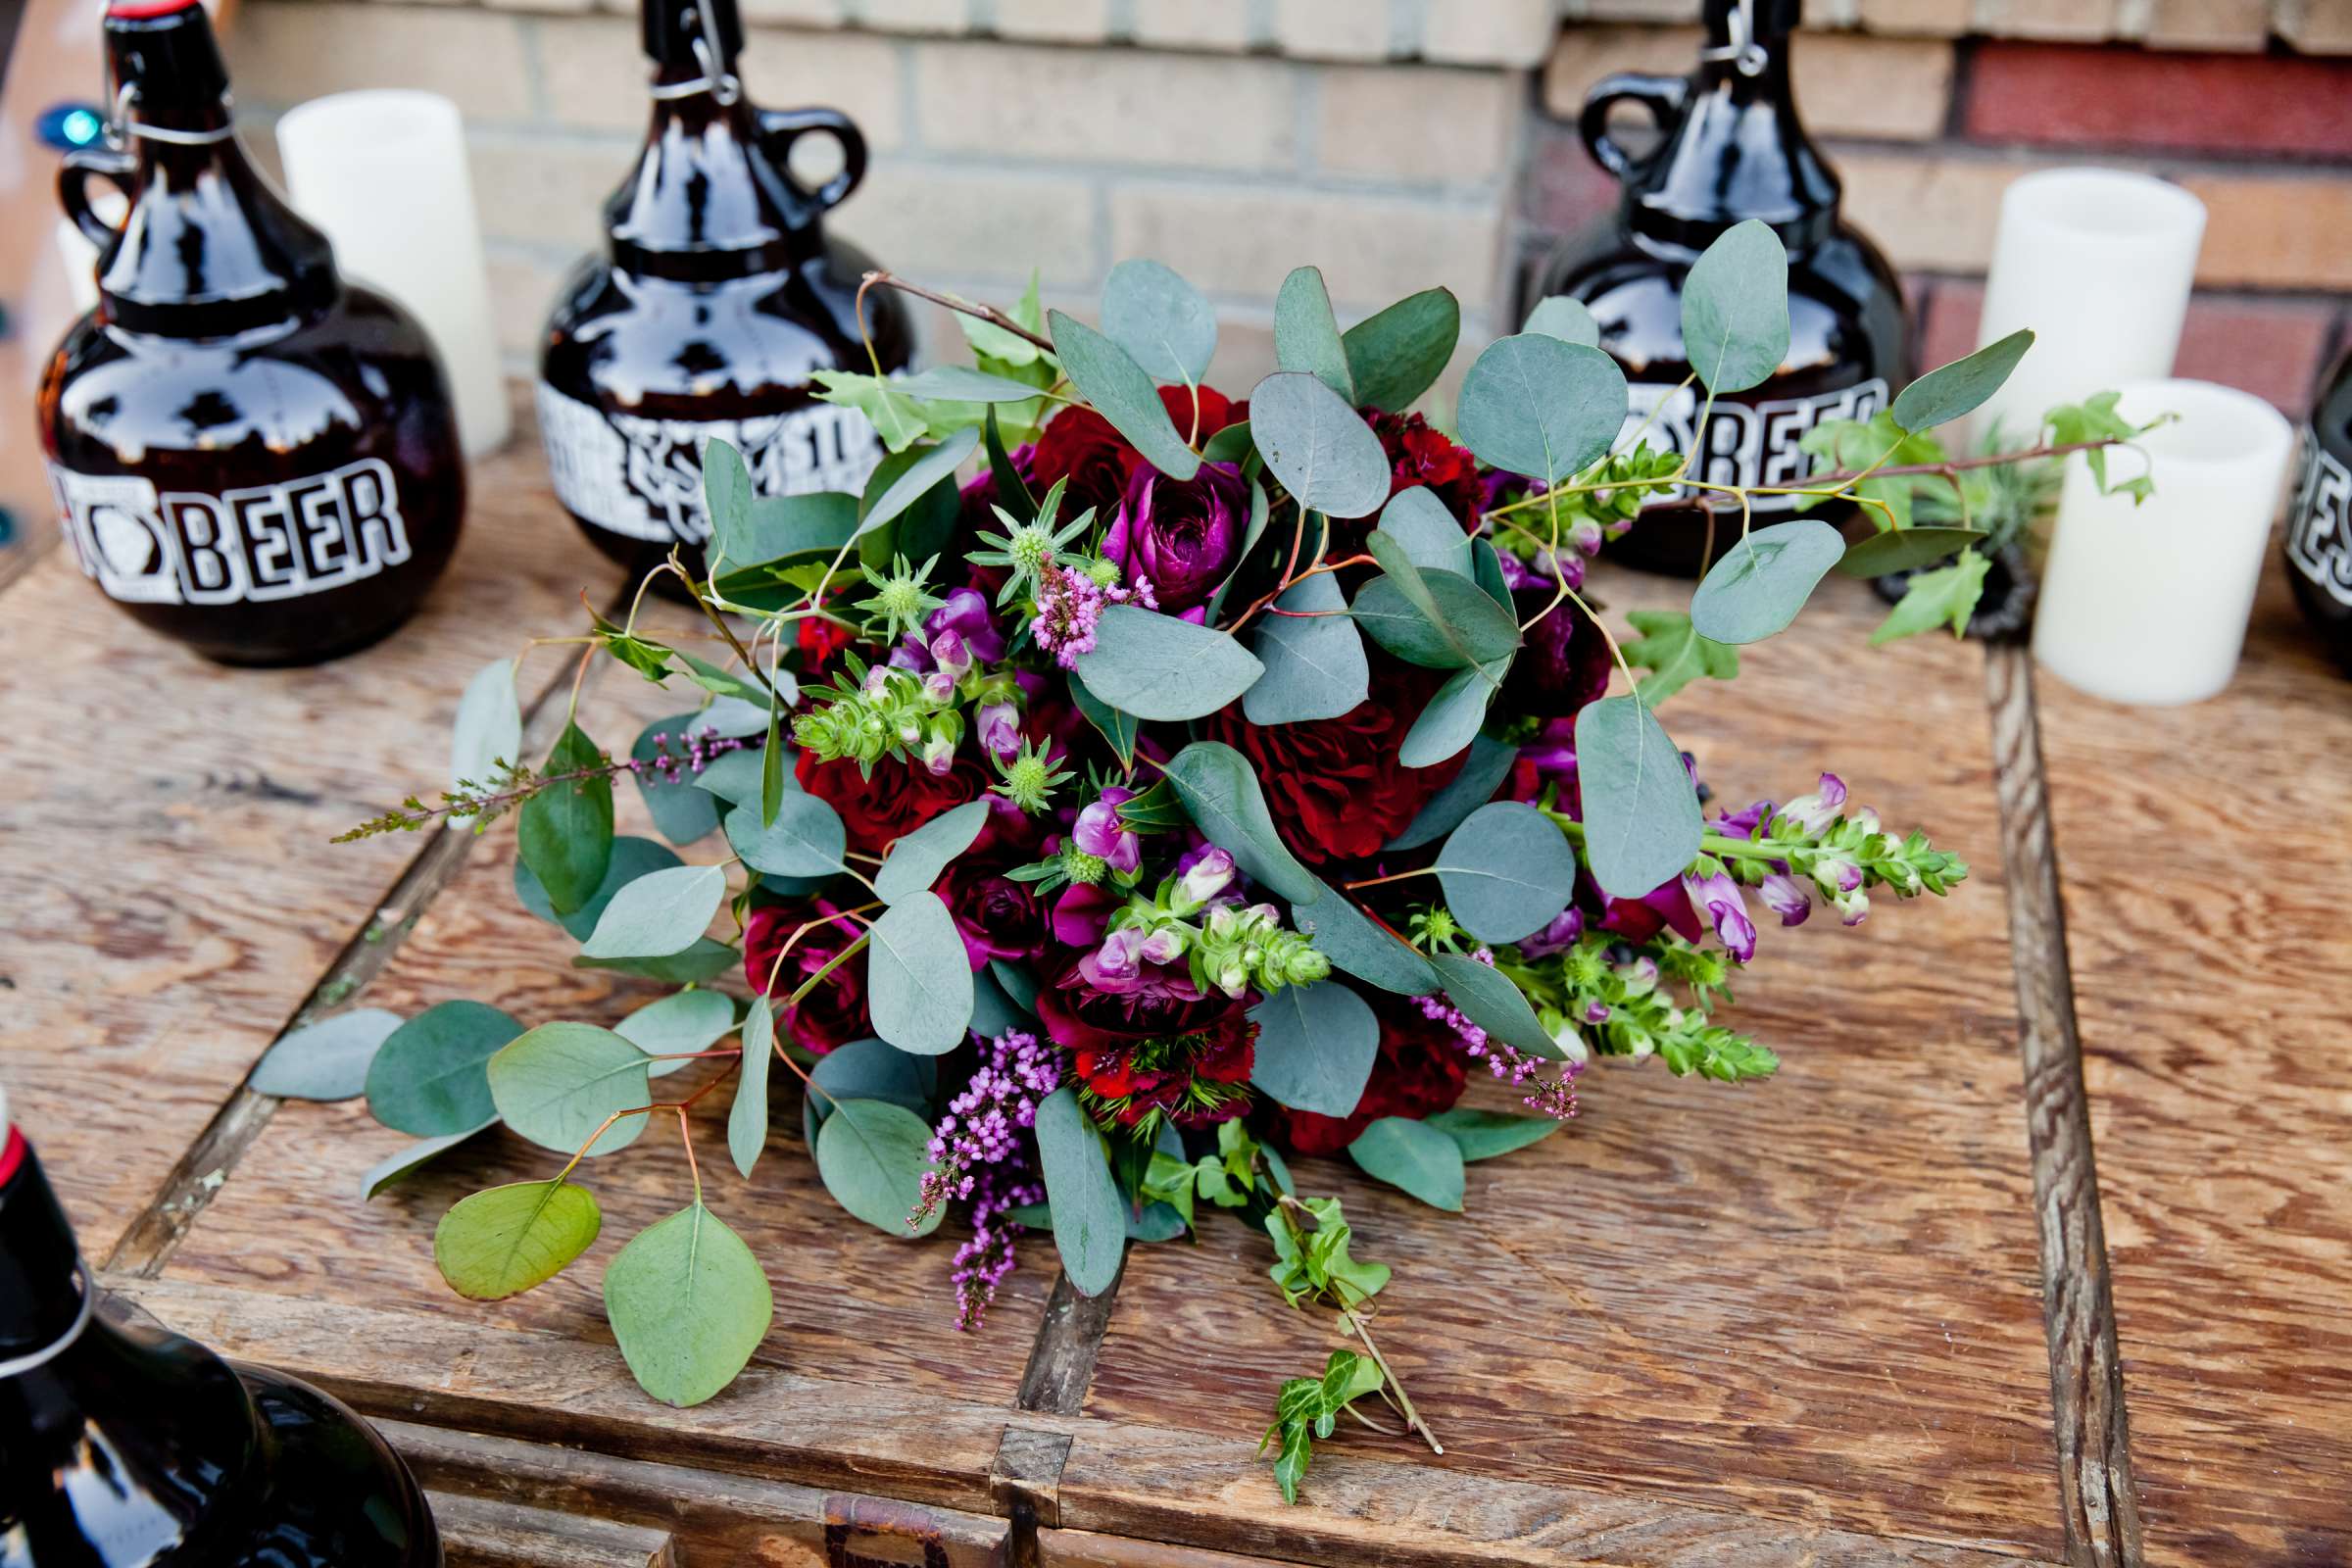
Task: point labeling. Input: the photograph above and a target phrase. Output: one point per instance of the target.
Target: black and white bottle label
(263, 542)
(643, 477)
(2318, 524)
(1748, 444)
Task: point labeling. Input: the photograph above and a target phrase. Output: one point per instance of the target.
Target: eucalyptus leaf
(1735, 309)
(934, 468)
(708, 957)
(1395, 354)
(658, 914)
(632, 858)
(1120, 390)
(502, 1242)
(726, 486)
(1485, 1134)
(556, 1084)
(326, 1061)
(1316, 1045)
(1120, 729)
(746, 1118)
(1536, 405)
(1508, 872)
(1763, 580)
(1946, 393)
(1905, 550)
(1436, 620)
(866, 1069)
(911, 504)
(1565, 318)
(1453, 719)
(1306, 335)
(677, 1026)
(1414, 1157)
(994, 1011)
(1489, 1001)
(1162, 323)
(1090, 1218)
(1164, 669)
(390, 1169)
(1233, 443)
(681, 812)
(1221, 794)
(688, 1305)
(918, 976)
(1488, 765)
(1431, 537)
(1353, 942)
(775, 529)
(917, 859)
(961, 383)
(1641, 818)
(1314, 660)
(430, 1078)
(871, 1155)
(736, 776)
(488, 738)
(1318, 445)
(805, 838)
(565, 833)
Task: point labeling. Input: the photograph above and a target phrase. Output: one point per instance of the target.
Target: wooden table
(1865, 1312)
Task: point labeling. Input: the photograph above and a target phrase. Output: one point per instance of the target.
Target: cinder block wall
(1394, 142)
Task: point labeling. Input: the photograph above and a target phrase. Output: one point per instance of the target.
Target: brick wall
(1394, 142)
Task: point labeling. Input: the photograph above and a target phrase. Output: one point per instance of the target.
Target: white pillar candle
(2148, 603)
(2099, 264)
(384, 173)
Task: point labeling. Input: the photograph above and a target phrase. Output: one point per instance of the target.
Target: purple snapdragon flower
(1813, 813)
(1102, 833)
(1718, 896)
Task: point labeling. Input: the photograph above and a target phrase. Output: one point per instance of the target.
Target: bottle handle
(81, 166)
(1663, 96)
(781, 128)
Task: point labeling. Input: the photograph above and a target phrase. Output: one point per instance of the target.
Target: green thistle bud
(1080, 867)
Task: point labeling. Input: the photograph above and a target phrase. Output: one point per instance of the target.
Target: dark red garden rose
(996, 916)
(900, 798)
(1334, 786)
(1079, 445)
(1159, 1046)
(1564, 662)
(832, 1014)
(1420, 1071)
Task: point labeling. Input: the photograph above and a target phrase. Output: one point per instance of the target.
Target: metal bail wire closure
(19, 1365)
(1743, 51)
(120, 127)
(721, 83)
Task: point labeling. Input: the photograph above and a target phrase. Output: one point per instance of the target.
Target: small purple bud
(1100, 833)
(1786, 897)
(1718, 896)
(1165, 946)
(1596, 1012)
(951, 653)
(1001, 729)
(1561, 934)
(1208, 877)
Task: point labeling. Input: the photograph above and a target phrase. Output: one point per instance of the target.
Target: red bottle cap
(12, 1154)
(148, 9)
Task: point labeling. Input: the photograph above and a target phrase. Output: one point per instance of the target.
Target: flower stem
(985, 313)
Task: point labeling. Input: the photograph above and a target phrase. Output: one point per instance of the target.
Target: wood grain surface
(2206, 853)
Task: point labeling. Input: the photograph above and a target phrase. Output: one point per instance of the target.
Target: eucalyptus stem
(984, 312)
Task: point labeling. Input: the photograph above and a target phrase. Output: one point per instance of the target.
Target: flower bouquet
(1196, 785)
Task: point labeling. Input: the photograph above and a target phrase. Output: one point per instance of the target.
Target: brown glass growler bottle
(125, 1446)
(718, 298)
(249, 453)
(2319, 518)
(1730, 148)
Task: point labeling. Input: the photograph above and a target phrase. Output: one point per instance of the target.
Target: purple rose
(1183, 537)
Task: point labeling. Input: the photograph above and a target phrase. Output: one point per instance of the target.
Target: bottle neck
(706, 202)
(41, 1287)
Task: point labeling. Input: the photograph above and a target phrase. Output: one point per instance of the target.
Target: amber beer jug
(1730, 147)
(716, 300)
(248, 453)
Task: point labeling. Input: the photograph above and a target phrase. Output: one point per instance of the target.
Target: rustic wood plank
(2095, 1456)
(2207, 850)
(480, 1533)
(181, 898)
(1811, 1305)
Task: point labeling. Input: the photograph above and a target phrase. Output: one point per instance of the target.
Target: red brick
(2271, 348)
(2068, 95)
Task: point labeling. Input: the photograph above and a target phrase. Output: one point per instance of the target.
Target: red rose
(1420, 1071)
(1334, 786)
(832, 1014)
(819, 640)
(996, 916)
(1421, 455)
(1080, 446)
(1160, 1046)
(900, 798)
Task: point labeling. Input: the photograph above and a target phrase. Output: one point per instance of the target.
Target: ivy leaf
(1395, 354)
(1414, 1157)
(1481, 777)
(1221, 794)
(1316, 1045)
(1485, 1134)
(1108, 378)
(1904, 549)
(1508, 872)
(918, 976)
(489, 730)
(747, 1118)
(1090, 1218)
(1494, 1005)
(431, 1077)
(1536, 405)
(1642, 819)
(502, 1242)
(688, 1305)
(1762, 581)
(1318, 445)
(1162, 323)
(1314, 661)
(565, 832)
(1306, 335)
(897, 418)
(559, 1083)
(1944, 394)
(1565, 318)
(1735, 309)
(1944, 597)
(1163, 670)
(871, 1155)
(916, 858)
(326, 1060)
(991, 341)
(1675, 653)
(2095, 418)
(658, 914)
(805, 838)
